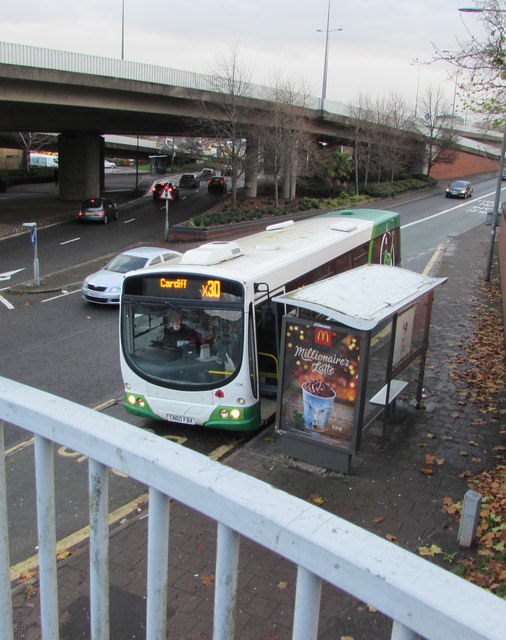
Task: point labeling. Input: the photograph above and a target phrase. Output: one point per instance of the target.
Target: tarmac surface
(386, 492)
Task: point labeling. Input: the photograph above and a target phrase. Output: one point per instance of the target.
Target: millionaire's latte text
(320, 362)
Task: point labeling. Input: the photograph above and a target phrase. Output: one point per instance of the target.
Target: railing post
(6, 626)
(44, 479)
(158, 559)
(98, 484)
(225, 595)
(400, 632)
(307, 605)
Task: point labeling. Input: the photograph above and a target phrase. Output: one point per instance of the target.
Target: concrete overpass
(84, 97)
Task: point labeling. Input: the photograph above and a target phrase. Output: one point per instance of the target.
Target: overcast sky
(373, 55)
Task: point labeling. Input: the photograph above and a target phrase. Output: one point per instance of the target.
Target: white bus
(200, 339)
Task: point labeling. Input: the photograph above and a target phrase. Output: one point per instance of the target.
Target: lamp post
(417, 62)
(497, 198)
(325, 63)
(122, 29)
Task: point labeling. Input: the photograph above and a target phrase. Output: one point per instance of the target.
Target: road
(60, 344)
(65, 245)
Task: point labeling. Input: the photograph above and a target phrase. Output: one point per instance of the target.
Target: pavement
(388, 491)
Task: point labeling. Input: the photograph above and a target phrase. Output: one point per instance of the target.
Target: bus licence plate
(181, 419)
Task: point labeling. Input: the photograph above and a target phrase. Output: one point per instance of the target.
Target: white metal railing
(418, 596)
(28, 56)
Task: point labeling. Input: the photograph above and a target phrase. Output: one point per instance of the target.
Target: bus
(200, 340)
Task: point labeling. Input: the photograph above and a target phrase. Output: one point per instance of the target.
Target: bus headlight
(135, 401)
(224, 414)
(235, 414)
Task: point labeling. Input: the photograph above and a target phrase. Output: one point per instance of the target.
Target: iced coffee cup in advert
(318, 398)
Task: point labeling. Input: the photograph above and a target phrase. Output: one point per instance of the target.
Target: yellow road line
(439, 250)
(31, 564)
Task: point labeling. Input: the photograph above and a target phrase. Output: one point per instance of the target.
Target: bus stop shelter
(351, 345)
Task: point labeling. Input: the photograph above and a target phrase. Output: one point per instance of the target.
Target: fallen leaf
(430, 551)
(282, 585)
(378, 519)
(24, 577)
(427, 470)
(63, 554)
(391, 538)
(315, 499)
(208, 580)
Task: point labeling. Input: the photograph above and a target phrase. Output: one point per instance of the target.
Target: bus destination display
(181, 286)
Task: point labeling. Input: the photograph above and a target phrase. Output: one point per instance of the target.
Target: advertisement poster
(319, 382)
(404, 334)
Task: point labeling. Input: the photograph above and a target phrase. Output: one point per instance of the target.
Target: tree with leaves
(482, 61)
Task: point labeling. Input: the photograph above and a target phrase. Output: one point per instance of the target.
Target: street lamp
(122, 29)
(497, 198)
(325, 64)
(481, 10)
(416, 61)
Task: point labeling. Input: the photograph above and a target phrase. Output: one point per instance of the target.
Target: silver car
(104, 286)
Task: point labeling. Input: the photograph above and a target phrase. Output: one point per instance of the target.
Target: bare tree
(225, 121)
(361, 137)
(440, 139)
(29, 141)
(396, 144)
(483, 60)
(282, 138)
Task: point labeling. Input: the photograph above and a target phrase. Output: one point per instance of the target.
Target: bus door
(268, 324)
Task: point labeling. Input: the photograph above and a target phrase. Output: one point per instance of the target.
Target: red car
(160, 187)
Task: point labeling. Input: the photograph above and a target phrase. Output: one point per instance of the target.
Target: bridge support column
(251, 168)
(80, 166)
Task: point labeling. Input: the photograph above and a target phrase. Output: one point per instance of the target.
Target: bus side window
(266, 331)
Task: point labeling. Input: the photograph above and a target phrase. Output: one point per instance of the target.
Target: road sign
(167, 195)
(33, 236)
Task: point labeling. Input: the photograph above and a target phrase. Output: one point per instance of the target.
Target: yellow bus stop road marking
(32, 563)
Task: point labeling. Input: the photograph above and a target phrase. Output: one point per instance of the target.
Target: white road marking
(127, 221)
(62, 295)
(7, 274)
(441, 213)
(69, 241)
(6, 303)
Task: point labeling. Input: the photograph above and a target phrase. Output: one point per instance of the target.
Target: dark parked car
(189, 180)
(160, 187)
(207, 173)
(459, 189)
(217, 184)
(98, 210)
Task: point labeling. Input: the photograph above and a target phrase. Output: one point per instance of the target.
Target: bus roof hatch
(211, 253)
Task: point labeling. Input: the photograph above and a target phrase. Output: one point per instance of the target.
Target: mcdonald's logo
(322, 336)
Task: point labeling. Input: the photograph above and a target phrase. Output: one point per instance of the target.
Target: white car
(109, 165)
(104, 286)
